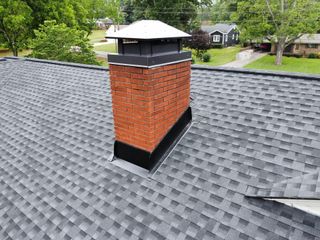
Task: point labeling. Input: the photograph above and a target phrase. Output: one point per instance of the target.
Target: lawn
(7, 53)
(109, 47)
(221, 56)
(97, 36)
(103, 61)
(290, 64)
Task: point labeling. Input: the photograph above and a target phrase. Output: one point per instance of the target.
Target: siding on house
(306, 44)
(299, 48)
(232, 38)
(214, 40)
(229, 34)
(226, 40)
(306, 49)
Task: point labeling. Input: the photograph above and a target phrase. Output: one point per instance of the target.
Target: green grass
(103, 61)
(109, 47)
(221, 56)
(290, 64)
(97, 36)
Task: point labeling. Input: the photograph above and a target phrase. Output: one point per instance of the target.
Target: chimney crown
(149, 29)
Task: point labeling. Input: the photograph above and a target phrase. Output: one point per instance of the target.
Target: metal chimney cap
(147, 30)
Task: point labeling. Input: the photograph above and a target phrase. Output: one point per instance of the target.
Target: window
(216, 38)
(312, 46)
(226, 37)
(297, 46)
(237, 37)
(232, 36)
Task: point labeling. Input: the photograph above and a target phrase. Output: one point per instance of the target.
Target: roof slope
(309, 38)
(221, 27)
(306, 186)
(56, 137)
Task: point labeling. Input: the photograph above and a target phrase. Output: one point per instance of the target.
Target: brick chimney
(150, 84)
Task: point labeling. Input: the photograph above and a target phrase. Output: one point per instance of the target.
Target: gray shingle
(221, 27)
(249, 130)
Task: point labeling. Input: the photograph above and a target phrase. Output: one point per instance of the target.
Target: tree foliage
(199, 42)
(59, 42)
(15, 21)
(280, 21)
(221, 11)
(19, 18)
(113, 11)
(80, 14)
(182, 14)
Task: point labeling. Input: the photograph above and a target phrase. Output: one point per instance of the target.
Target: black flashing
(149, 160)
(148, 61)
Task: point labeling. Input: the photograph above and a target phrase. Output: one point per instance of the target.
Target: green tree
(182, 14)
(222, 10)
(88, 11)
(74, 13)
(15, 21)
(19, 18)
(280, 21)
(199, 41)
(128, 10)
(113, 11)
(59, 42)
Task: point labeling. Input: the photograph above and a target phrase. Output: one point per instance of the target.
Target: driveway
(242, 63)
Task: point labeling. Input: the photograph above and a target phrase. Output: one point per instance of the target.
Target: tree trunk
(280, 50)
(15, 52)
(14, 49)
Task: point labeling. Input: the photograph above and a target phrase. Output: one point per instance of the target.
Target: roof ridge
(69, 64)
(258, 72)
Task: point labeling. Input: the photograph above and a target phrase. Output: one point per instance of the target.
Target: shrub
(206, 57)
(199, 41)
(219, 46)
(313, 55)
(296, 55)
(193, 60)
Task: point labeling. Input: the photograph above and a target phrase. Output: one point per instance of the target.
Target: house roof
(250, 129)
(304, 186)
(309, 38)
(148, 29)
(220, 27)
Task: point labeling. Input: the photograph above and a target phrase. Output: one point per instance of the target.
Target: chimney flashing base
(149, 160)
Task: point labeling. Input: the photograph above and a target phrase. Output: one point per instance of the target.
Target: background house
(223, 34)
(305, 45)
(103, 23)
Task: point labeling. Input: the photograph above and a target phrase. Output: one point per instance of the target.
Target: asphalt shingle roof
(56, 140)
(221, 27)
(306, 186)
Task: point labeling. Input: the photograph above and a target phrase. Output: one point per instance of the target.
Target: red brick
(147, 102)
